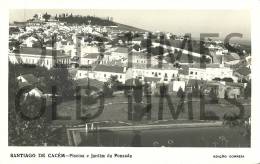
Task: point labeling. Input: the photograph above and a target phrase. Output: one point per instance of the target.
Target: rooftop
(122, 50)
(144, 66)
(91, 55)
(30, 78)
(231, 57)
(40, 51)
(244, 71)
(109, 68)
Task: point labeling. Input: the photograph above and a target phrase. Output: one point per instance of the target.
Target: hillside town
(99, 52)
(109, 57)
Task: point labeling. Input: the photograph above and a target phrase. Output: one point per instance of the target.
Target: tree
(136, 47)
(181, 93)
(213, 95)
(25, 131)
(228, 79)
(61, 79)
(46, 16)
(114, 83)
(248, 90)
(217, 79)
(138, 91)
(146, 43)
(90, 96)
(195, 89)
(107, 90)
(35, 16)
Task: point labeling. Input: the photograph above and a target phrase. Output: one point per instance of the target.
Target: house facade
(89, 58)
(165, 74)
(209, 73)
(39, 57)
(103, 73)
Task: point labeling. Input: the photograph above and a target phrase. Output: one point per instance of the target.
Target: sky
(195, 22)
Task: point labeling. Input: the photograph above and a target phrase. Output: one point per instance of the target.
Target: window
(152, 73)
(120, 76)
(105, 75)
(191, 72)
(195, 73)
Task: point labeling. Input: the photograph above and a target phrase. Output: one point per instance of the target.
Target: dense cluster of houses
(48, 43)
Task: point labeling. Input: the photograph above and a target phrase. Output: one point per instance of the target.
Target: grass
(116, 109)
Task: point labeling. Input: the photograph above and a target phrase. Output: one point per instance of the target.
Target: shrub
(231, 118)
(210, 115)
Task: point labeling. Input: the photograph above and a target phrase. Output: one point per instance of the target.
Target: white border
(149, 155)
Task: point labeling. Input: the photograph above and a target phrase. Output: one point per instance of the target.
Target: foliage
(26, 132)
(228, 79)
(146, 43)
(114, 83)
(180, 93)
(195, 90)
(21, 131)
(213, 96)
(138, 91)
(217, 79)
(239, 49)
(61, 79)
(46, 16)
(248, 90)
(136, 47)
(78, 19)
(211, 115)
(233, 119)
(107, 90)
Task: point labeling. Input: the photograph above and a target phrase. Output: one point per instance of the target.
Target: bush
(108, 92)
(231, 118)
(89, 100)
(210, 115)
(181, 93)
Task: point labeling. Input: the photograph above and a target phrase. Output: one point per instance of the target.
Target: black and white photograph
(129, 78)
(132, 81)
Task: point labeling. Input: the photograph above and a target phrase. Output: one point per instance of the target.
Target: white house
(103, 73)
(88, 49)
(165, 74)
(39, 57)
(29, 41)
(89, 58)
(210, 72)
(119, 53)
(177, 85)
